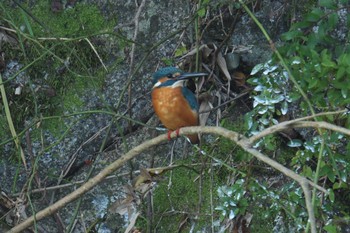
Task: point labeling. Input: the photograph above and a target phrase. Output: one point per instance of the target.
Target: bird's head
(172, 76)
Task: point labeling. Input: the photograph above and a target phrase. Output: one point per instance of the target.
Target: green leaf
(332, 21)
(284, 107)
(201, 12)
(330, 229)
(327, 60)
(300, 25)
(307, 171)
(315, 15)
(331, 195)
(295, 143)
(180, 51)
(344, 175)
(330, 4)
(331, 176)
(342, 60)
(248, 120)
(312, 82)
(339, 185)
(291, 35)
(27, 22)
(294, 96)
(257, 68)
(340, 72)
(344, 93)
(329, 63)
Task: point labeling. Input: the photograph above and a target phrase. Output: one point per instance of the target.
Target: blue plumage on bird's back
(191, 98)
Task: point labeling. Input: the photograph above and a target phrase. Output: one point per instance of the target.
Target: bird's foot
(176, 131)
(169, 132)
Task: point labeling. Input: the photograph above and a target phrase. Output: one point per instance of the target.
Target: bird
(174, 104)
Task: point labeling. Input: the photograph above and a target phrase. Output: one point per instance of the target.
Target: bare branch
(243, 142)
(301, 123)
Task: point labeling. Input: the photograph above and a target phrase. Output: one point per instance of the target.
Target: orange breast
(172, 108)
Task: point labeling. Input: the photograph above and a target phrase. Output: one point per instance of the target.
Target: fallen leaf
(239, 78)
(132, 222)
(204, 110)
(223, 66)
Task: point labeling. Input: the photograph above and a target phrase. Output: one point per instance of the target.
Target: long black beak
(190, 75)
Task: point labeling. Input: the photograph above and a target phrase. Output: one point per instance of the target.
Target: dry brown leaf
(239, 78)
(122, 206)
(242, 223)
(193, 51)
(125, 205)
(223, 66)
(6, 38)
(6, 201)
(132, 222)
(207, 51)
(145, 188)
(142, 178)
(204, 110)
(218, 111)
(157, 171)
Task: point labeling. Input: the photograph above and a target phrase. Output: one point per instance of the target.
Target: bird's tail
(193, 138)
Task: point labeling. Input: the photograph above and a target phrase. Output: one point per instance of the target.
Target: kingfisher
(175, 105)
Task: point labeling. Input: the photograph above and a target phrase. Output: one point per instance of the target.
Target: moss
(172, 205)
(82, 20)
(4, 131)
(227, 147)
(58, 72)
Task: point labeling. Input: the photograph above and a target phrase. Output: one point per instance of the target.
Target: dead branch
(243, 142)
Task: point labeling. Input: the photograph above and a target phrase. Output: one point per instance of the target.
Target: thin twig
(11, 125)
(98, 56)
(132, 58)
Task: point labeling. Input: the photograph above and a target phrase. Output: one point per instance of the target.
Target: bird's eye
(170, 76)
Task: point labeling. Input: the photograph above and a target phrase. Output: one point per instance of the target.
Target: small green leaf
(312, 82)
(344, 93)
(329, 63)
(257, 68)
(291, 35)
(339, 185)
(248, 120)
(315, 15)
(330, 4)
(307, 171)
(332, 20)
(27, 22)
(180, 51)
(331, 195)
(330, 229)
(201, 12)
(284, 107)
(343, 60)
(340, 72)
(295, 143)
(294, 96)
(331, 175)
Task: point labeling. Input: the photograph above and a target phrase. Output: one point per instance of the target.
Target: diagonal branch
(233, 136)
(301, 123)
